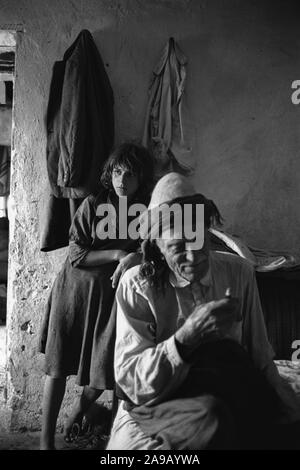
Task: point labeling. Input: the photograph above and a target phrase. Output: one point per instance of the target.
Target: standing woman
(78, 332)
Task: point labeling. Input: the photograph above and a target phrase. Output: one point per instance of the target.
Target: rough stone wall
(240, 126)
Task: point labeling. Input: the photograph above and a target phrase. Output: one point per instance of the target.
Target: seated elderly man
(193, 364)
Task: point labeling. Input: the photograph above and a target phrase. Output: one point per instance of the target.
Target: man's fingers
(226, 303)
(223, 319)
(225, 306)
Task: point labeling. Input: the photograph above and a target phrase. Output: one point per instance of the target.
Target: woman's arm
(98, 257)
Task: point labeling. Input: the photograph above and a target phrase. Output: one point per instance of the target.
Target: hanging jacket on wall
(80, 134)
(163, 132)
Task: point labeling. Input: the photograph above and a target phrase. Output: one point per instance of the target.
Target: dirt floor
(30, 441)
(93, 436)
(26, 441)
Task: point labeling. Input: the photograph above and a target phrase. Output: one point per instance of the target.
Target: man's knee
(126, 434)
(217, 430)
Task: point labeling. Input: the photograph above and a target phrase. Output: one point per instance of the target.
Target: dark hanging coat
(80, 134)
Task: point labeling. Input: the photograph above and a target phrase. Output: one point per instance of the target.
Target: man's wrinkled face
(185, 261)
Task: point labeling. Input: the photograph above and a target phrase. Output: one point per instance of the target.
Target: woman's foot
(73, 426)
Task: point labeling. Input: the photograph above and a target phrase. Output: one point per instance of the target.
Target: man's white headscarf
(175, 191)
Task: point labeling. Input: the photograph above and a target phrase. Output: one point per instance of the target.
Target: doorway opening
(7, 73)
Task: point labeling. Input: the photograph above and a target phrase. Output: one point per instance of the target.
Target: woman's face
(124, 182)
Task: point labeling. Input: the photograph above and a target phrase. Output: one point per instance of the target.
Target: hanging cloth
(80, 135)
(163, 132)
(5, 152)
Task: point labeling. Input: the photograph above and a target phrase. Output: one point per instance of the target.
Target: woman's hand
(125, 262)
(119, 254)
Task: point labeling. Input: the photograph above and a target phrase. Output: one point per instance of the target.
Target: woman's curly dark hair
(154, 267)
(133, 157)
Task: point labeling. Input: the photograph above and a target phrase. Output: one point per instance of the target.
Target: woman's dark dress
(78, 332)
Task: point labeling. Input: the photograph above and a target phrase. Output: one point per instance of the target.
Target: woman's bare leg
(54, 390)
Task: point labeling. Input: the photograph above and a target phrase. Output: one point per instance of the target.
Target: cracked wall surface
(241, 132)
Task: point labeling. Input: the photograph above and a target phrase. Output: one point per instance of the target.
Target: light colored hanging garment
(163, 132)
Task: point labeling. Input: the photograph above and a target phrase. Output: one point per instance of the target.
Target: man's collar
(177, 281)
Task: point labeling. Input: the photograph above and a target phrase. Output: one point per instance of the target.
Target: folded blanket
(290, 371)
(262, 260)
